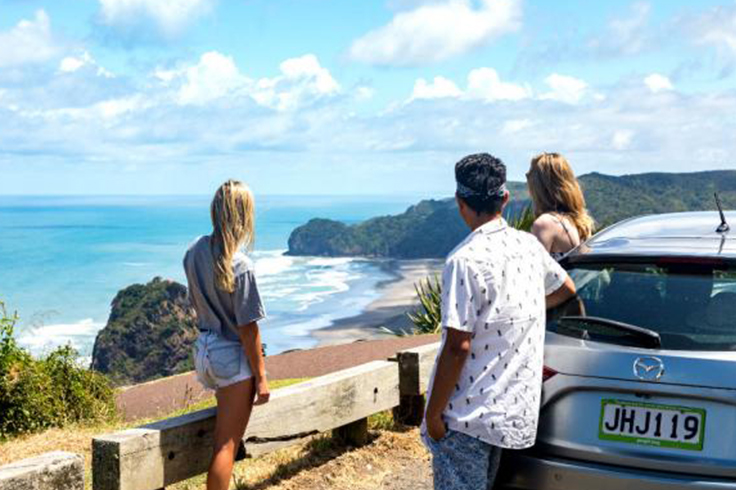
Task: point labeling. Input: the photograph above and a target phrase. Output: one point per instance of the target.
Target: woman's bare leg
(234, 404)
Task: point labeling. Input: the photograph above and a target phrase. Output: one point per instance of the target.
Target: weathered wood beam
(166, 452)
(49, 471)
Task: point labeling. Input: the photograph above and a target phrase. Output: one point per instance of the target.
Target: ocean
(63, 259)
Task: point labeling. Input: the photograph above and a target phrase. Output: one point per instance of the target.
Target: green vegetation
(431, 229)
(53, 391)
(428, 318)
(611, 199)
(428, 229)
(149, 335)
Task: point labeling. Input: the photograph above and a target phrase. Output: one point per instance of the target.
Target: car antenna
(723, 227)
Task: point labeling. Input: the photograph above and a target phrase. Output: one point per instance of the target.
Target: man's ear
(460, 203)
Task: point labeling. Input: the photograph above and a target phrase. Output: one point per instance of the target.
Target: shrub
(52, 391)
(427, 320)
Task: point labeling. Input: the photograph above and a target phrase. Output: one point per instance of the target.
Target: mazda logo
(649, 368)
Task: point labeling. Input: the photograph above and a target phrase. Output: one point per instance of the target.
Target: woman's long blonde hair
(232, 213)
(554, 189)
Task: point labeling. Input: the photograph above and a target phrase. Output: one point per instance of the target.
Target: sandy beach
(397, 297)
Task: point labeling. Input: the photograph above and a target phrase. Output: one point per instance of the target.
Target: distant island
(430, 229)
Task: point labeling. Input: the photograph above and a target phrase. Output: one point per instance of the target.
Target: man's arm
(564, 293)
(250, 337)
(449, 367)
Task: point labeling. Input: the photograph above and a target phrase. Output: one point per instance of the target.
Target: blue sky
(355, 97)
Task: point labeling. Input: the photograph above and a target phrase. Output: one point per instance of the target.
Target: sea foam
(44, 338)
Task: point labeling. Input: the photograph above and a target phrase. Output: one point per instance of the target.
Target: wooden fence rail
(49, 471)
(166, 452)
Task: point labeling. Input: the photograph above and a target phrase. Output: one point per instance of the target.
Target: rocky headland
(149, 335)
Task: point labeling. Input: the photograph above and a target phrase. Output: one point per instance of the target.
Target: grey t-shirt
(220, 311)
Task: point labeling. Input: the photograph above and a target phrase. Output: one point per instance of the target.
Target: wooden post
(415, 368)
(410, 410)
(353, 434)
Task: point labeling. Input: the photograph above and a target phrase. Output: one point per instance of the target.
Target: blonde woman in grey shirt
(228, 352)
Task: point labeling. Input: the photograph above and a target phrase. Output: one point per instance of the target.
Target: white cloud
(484, 83)
(621, 139)
(626, 35)
(715, 28)
(171, 17)
(302, 80)
(364, 93)
(566, 89)
(213, 110)
(436, 32)
(516, 125)
(214, 76)
(658, 83)
(439, 88)
(72, 64)
(29, 41)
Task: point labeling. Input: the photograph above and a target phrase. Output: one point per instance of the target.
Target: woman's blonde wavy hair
(554, 189)
(232, 212)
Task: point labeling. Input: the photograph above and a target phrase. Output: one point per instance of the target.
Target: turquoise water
(63, 259)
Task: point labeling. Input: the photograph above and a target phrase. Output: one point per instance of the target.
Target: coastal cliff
(150, 333)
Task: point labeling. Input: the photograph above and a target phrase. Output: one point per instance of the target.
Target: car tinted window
(691, 306)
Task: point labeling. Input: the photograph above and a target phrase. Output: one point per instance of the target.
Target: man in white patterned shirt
(485, 390)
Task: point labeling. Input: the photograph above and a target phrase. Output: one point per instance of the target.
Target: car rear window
(691, 306)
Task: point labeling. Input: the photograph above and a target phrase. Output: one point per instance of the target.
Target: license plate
(652, 425)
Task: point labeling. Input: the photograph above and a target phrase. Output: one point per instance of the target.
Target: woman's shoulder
(196, 244)
(545, 222)
(242, 264)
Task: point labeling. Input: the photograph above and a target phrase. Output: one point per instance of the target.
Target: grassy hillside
(611, 199)
(433, 228)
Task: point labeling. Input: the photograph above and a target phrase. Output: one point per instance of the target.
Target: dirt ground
(393, 460)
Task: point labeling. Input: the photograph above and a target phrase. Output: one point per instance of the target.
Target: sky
(355, 97)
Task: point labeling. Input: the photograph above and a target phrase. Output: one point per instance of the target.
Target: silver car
(640, 373)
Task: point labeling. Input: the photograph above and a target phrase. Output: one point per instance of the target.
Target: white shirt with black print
(494, 286)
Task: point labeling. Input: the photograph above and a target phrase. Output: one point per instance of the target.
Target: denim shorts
(219, 362)
(462, 462)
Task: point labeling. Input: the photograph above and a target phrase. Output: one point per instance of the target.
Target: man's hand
(263, 394)
(436, 427)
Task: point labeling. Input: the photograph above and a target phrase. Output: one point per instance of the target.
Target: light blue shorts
(219, 362)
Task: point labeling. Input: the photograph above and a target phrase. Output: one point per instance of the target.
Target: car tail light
(547, 373)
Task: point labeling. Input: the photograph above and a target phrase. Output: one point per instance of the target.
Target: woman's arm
(250, 337)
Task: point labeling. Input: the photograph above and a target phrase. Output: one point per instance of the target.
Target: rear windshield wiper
(648, 338)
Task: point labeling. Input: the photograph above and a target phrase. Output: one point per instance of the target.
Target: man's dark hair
(483, 174)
